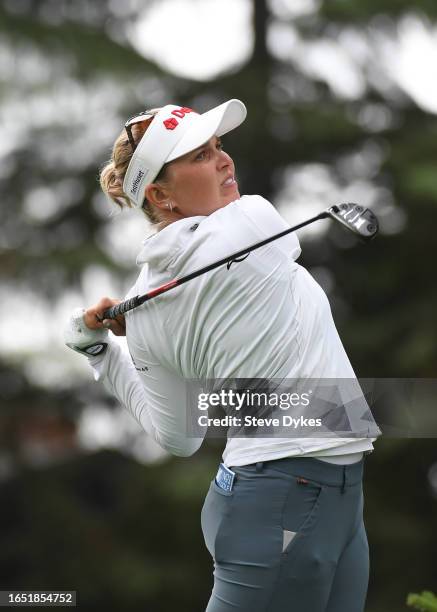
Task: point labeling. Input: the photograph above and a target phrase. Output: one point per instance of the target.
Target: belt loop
(343, 486)
(259, 466)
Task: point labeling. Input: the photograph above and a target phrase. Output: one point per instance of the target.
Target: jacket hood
(161, 248)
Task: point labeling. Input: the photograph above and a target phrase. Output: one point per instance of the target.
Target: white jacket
(266, 317)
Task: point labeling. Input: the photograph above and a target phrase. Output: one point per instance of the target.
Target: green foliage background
(124, 534)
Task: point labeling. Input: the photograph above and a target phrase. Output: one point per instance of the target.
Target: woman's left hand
(93, 317)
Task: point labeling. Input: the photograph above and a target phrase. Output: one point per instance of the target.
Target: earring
(170, 206)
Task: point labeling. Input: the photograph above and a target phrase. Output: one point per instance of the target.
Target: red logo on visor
(170, 124)
(181, 112)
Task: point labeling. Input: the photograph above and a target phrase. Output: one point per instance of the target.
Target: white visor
(175, 131)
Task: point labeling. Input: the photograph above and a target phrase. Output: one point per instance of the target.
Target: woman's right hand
(93, 317)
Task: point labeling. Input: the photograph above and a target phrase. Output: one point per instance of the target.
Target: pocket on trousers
(221, 491)
(300, 514)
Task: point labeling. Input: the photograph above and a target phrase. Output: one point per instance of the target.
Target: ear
(157, 195)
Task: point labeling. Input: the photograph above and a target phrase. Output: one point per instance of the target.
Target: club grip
(122, 307)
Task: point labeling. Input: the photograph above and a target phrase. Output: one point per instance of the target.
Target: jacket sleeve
(155, 397)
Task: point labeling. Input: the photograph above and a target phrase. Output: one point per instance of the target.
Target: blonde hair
(113, 172)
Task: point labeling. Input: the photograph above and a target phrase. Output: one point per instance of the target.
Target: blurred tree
(69, 76)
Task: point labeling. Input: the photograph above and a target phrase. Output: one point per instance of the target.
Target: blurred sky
(202, 38)
(206, 37)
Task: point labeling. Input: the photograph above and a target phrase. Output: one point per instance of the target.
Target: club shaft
(134, 302)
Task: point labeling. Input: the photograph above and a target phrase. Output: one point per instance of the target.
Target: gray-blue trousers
(288, 537)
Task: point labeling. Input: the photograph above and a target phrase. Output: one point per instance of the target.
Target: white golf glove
(80, 338)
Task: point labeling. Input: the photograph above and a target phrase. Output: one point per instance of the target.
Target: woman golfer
(283, 518)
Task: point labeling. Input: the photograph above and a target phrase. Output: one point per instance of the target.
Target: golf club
(361, 221)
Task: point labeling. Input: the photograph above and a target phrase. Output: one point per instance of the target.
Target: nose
(223, 159)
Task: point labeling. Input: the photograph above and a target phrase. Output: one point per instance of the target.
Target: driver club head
(361, 221)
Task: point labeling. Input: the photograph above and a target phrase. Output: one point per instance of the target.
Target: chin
(232, 198)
